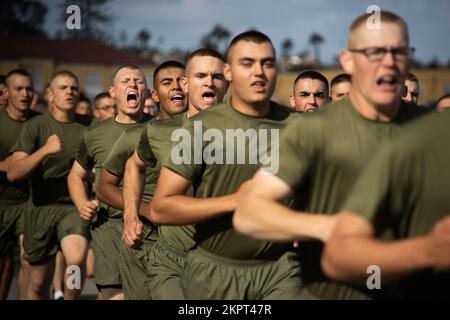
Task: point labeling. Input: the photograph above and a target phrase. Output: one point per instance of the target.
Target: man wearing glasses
(310, 92)
(321, 154)
(411, 89)
(104, 106)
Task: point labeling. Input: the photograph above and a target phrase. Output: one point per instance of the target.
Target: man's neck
(19, 115)
(255, 109)
(129, 119)
(62, 115)
(192, 111)
(373, 112)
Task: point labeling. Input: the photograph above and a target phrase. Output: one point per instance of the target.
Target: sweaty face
(309, 95)
(340, 91)
(168, 92)
(379, 83)
(443, 105)
(63, 93)
(129, 90)
(411, 92)
(20, 92)
(252, 71)
(105, 109)
(206, 84)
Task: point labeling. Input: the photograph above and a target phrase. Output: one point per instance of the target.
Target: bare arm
(108, 190)
(4, 164)
(78, 180)
(23, 164)
(133, 186)
(134, 181)
(171, 206)
(260, 215)
(352, 248)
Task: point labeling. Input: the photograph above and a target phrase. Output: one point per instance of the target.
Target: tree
(123, 39)
(22, 17)
(93, 19)
(143, 38)
(286, 47)
(216, 38)
(316, 40)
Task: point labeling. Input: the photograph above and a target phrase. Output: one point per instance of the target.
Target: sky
(182, 23)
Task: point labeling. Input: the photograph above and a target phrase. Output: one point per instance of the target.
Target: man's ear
(184, 84)
(292, 101)
(50, 96)
(227, 72)
(6, 93)
(347, 61)
(112, 93)
(155, 96)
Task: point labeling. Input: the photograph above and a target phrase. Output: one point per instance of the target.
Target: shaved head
(359, 26)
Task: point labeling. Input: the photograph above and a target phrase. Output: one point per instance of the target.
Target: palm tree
(143, 37)
(286, 47)
(316, 40)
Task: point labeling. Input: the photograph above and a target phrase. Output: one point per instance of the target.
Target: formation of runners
(207, 197)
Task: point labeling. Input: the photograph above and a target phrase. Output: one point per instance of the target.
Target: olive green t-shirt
(11, 193)
(49, 180)
(404, 191)
(121, 151)
(321, 155)
(154, 145)
(98, 141)
(218, 150)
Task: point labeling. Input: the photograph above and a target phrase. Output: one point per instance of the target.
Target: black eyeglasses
(378, 53)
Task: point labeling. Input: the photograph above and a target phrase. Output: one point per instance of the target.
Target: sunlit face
(379, 83)
(63, 93)
(205, 82)
(19, 92)
(309, 95)
(411, 92)
(168, 92)
(105, 108)
(340, 91)
(252, 71)
(129, 91)
(443, 105)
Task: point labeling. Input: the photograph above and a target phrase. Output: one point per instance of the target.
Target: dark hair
(311, 74)
(343, 77)
(445, 96)
(19, 72)
(252, 36)
(412, 77)
(99, 96)
(166, 65)
(2, 79)
(84, 98)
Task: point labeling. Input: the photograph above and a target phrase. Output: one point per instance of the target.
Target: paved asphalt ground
(89, 289)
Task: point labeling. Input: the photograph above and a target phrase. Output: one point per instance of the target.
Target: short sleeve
(296, 152)
(82, 156)
(117, 158)
(144, 149)
(28, 138)
(185, 156)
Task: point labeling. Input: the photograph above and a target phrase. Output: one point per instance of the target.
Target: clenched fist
(54, 144)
